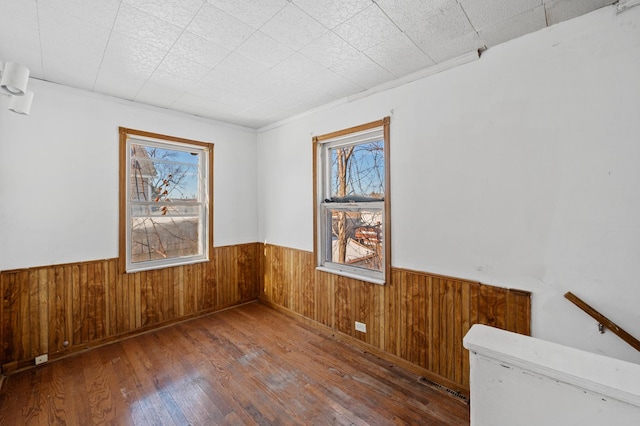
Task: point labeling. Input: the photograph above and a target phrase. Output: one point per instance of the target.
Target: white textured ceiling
(255, 62)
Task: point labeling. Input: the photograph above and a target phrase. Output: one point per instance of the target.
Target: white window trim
(323, 178)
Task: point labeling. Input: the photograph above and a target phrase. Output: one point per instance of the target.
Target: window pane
(163, 175)
(166, 202)
(358, 170)
(356, 237)
(154, 238)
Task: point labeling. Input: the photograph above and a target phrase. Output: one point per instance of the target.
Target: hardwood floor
(247, 365)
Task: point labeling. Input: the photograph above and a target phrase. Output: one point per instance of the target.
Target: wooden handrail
(603, 320)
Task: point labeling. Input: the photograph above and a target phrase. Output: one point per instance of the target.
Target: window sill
(155, 265)
(351, 275)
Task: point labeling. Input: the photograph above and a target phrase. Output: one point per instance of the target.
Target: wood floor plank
(247, 365)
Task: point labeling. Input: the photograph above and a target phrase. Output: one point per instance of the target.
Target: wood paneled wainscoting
(57, 310)
(416, 320)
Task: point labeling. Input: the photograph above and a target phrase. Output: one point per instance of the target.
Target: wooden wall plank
(465, 325)
(457, 333)
(83, 321)
(10, 315)
(91, 302)
(33, 347)
(438, 341)
(55, 303)
(429, 326)
(343, 308)
(309, 291)
(492, 307)
(110, 298)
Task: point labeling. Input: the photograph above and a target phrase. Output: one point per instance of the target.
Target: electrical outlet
(360, 326)
(42, 359)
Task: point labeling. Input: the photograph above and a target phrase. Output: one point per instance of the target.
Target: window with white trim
(351, 202)
(165, 202)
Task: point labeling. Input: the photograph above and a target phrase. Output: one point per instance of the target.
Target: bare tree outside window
(164, 203)
(357, 176)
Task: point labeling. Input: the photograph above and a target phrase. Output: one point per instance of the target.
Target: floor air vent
(447, 390)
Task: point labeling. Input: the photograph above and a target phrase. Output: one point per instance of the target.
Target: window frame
(205, 169)
(321, 184)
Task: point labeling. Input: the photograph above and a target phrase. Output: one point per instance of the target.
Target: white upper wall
(521, 169)
(59, 175)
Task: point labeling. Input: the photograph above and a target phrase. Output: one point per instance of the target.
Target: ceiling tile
(153, 94)
(525, 23)
(81, 76)
(199, 50)
(234, 70)
(177, 74)
(294, 68)
(294, 28)
(65, 41)
(114, 83)
(219, 27)
(176, 12)
(485, 14)
(19, 9)
(360, 68)
(311, 95)
(331, 13)
(276, 106)
(201, 106)
(446, 35)
(170, 81)
(181, 68)
(254, 13)
(264, 49)
(125, 54)
(333, 84)
(399, 55)
(412, 14)
(203, 90)
(452, 48)
(368, 28)
(248, 94)
(19, 23)
(561, 10)
(97, 12)
(147, 28)
(18, 13)
(241, 103)
(329, 49)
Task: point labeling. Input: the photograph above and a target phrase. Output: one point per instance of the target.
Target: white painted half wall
(59, 175)
(520, 380)
(521, 169)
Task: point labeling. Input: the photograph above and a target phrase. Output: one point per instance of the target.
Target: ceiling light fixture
(21, 104)
(15, 78)
(13, 82)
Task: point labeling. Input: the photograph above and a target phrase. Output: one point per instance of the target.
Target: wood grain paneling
(65, 308)
(417, 317)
